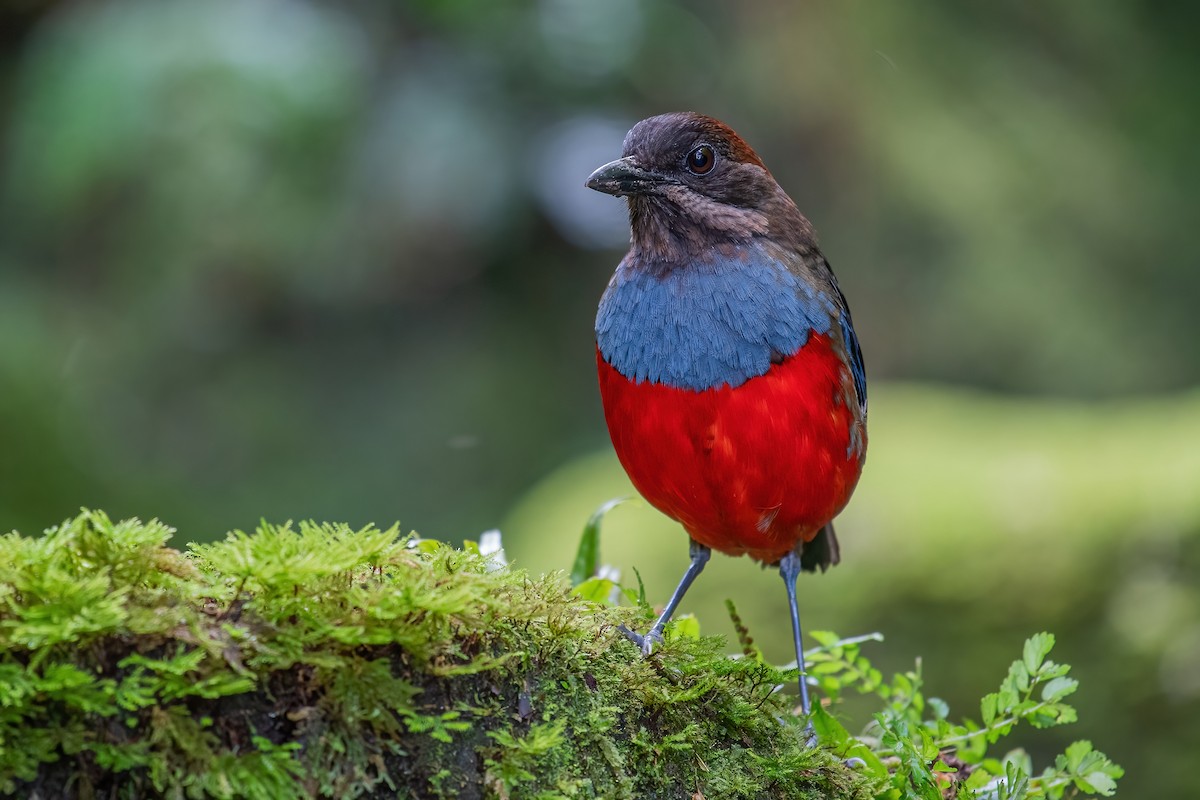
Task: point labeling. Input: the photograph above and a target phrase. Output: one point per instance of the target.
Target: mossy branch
(317, 661)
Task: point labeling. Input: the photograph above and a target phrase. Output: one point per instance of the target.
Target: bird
(731, 377)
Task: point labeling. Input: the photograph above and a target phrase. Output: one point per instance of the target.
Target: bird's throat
(678, 225)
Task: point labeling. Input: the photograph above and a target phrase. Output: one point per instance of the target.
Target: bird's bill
(623, 177)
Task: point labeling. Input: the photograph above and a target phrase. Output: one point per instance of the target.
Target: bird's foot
(811, 740)
(645, 643)
(810, 736)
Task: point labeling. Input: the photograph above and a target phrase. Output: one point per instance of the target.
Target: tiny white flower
(492, 549)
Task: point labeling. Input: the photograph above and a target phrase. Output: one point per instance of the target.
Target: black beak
(623, 177)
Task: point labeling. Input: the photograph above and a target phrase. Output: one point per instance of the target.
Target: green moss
(316, 661)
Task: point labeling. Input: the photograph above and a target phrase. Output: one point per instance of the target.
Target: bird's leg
(700, 555)
(789, 570)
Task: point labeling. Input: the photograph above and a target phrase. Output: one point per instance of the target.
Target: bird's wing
(853, 352)
(813, 270)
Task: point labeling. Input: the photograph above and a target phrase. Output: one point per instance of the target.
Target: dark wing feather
(857, 369)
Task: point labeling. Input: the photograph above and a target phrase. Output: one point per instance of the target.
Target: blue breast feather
(710, 323)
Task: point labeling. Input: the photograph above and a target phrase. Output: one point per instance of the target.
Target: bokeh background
(283, 259)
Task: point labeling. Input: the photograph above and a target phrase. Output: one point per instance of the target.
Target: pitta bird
(730, 374)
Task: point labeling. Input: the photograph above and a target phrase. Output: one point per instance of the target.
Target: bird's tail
(822, 551)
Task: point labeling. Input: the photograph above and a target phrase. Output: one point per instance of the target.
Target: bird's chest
(747, 469)
(708, 324)
(728, 402)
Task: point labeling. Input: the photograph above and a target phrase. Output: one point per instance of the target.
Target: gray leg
(789, 570)
(700, 555)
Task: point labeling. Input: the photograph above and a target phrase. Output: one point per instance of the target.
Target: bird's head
(693, 184)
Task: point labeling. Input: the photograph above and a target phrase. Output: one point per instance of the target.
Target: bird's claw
(645, 643)
(810, 738)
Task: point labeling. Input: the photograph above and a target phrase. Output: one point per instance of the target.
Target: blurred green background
(335, 260)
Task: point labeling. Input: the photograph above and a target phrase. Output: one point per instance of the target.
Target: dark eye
(701, 160)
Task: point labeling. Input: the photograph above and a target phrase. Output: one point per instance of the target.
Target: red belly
(751, 470)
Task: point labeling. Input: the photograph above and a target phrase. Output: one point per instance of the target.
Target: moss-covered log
(325, 662)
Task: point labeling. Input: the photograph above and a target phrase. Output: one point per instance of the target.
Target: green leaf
(1097, 783)
(987, 708)
(1091, 770)
(595, 590)
(427, 546)
(1059, 688)
(587, 557)
(641, 592)
(978, 778)
(684, 626)
(939, 707)
(1016, 782)
(1018, 681)
(1073, 756)
(826, 639)
(829, 730)
(1037, 647)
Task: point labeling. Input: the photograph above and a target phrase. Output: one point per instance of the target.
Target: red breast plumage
(751, 470)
